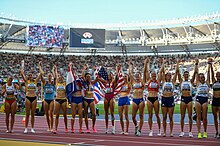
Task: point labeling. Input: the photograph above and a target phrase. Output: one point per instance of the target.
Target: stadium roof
(191, 34)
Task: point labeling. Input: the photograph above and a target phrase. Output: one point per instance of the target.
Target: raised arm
(131, 70)
(54, 72)
(212, 74)
(41, 72)
(161, 76)
(23, 75)
(146, 76)
(178, 73)
(83, 71)
(208, 74)
(195, 74)
(19, 84)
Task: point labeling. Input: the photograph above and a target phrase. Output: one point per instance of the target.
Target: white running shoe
(122, 133)
(190, 134)
(181, 134)
(138, 133)
(151, 133)
(32, 130)
(126, 133)
(106, 131)
(25, 130)
(113, 129)
(136, 130)
(159, 133)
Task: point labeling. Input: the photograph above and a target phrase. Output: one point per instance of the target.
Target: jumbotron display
(87, 38)
(45, 36)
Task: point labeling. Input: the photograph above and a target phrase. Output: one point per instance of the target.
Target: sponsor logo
(87, 38)
(87, 35)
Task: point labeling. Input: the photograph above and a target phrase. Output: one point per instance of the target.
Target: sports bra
(61, 87)
(216, 86)
(153, 86)
(186, 86)
(10, 90)
(124, 88)
(109, 88)
(137, 85)
(168, 86)
(31, 85)
(203, 90)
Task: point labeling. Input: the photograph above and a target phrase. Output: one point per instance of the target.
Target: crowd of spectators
(11, 63)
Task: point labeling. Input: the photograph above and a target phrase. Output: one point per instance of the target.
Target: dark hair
(87, 74)
(186, 72)
(128, 77)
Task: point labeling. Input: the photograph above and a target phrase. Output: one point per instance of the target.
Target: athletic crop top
(109, 88)
(30, 86)
(61, 87)
(168, 86)
(124, 88)
(186, 86)
(49, 91)
(137, 85)
(10, 90)
(153, 86)
(203, 90)
(216, 86)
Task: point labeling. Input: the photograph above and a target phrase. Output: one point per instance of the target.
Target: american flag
(120, 83)
(102, 73)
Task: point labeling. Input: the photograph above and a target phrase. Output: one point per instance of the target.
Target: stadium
(187, 42)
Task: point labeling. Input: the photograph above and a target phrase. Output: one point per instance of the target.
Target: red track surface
(100, 138)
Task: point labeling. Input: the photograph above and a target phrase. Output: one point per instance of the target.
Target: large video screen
(87, 38)
(45, 36)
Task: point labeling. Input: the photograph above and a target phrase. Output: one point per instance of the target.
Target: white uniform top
(186, 86)
(168, 86)
(202, 90)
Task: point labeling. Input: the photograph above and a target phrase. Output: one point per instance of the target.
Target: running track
(100, 138)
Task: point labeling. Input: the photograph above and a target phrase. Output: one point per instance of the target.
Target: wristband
(209, 63)
(196, 63)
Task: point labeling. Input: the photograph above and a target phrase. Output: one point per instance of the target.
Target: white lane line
(114, 140)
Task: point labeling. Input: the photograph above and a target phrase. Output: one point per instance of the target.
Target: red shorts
(10, 101)
(109, 96)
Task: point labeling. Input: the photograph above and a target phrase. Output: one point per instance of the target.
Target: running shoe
(122, 133)
(151, 133)
(88, 131)
(138, 133)
(205, 135)
(7, 131)
(54, 131)
(25, 130)
(159, 133)
(164, 135)
(200, 135)
(181, 134)
(135, 130)
(81, 131)
(171, 134)
(32, 130)
(106, 131)
(190, 134)
(94, 130)
(113, 129)
(66, 130)
(72, 130)
(126, 133)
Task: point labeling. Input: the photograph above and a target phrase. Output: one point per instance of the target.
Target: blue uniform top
(49, 91)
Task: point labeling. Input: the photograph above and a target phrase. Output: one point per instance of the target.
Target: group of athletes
(55, 98)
